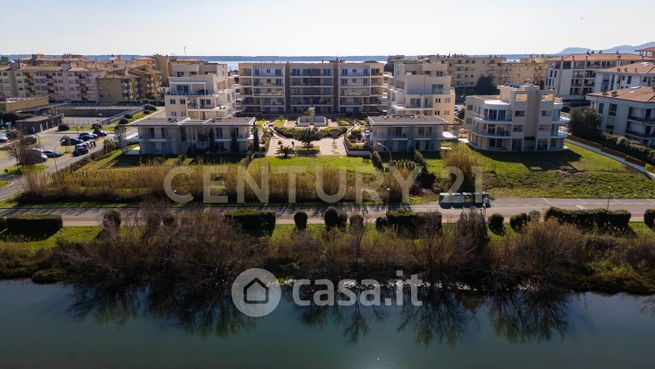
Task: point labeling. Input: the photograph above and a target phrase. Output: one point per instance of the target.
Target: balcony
(641, 119)
(640, 134)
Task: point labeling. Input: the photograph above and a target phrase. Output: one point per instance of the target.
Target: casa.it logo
(256, 292)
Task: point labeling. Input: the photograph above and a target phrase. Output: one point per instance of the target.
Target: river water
(60, 327)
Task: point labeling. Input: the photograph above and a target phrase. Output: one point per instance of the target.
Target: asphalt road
(505, 206)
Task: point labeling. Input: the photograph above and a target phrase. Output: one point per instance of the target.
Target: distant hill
(621, 49)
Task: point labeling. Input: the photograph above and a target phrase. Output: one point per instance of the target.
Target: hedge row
(409, 224)
(649, 218)
(34, 224)
(600, 219)
(252, 222)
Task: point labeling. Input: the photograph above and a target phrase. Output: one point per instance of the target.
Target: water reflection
(444, 317)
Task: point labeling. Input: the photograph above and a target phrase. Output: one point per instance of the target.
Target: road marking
(546, 200)
(580, 207)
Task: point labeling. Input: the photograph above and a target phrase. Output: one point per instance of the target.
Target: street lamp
(609, 196)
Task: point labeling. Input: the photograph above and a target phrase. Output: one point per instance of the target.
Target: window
(182, 101)
(171, 101)
(519, 113)
(544, 113)
(601, 108)
(612, 110)
(517, 129)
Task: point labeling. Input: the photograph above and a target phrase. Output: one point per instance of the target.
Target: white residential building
(521, 118)
(199, 91)
(573, 76)
(174, 136)
(406, 134)
(625, 76)
(628, 112)
(421, 87)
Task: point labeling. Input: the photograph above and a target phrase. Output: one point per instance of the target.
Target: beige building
(467, 70)
(528, 70)
(17, 104)
(332, 87)
(519, 119)
(421, 88)
(628, 112)
(406, 134)
(574, 76)
(118, 86)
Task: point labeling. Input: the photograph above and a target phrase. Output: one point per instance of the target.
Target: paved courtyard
(327, 146)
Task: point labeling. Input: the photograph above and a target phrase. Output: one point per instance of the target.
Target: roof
(37, 118)
(406, 120)
(634, 68)
(159, 122)
(40, 68)
(647, 50)
(637, 94)
(597, 57)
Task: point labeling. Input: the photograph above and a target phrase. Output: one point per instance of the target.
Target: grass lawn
(348, 162)
(73, 234)
(3, 183)
(118, 159)
(279, 123)
(261, 122)
(574, 173)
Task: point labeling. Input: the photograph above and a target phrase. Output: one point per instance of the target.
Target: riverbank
(544, 255)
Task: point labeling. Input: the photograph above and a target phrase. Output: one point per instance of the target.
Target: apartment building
(59, 83)
(421, 88)
(467, 70)
(574, 76)
(174, 136)
(19, 104)
(332, 87)
(648, 52)
(628, 112)
(521, 118)
(199, 91)
(8, 86)
(625, 76)
(406, 134)
(527, 70)
(117, 86)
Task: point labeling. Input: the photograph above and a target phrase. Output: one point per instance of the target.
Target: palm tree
(285, 151)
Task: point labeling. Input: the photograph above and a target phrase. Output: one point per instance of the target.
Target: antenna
(185, 51)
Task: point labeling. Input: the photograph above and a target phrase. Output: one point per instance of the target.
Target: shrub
(334, 218)
(409, 224)
(112, 218)
(356, 223)
(123, 121)
(649, 218)
(518, 222)
(595, 219)
(254, 223)
(496, 223)
(47, 276)
(300, 218)
(128, 116)
(34, 224)
(63, 127)
(376, 160)
(3, 224)
(13, 134)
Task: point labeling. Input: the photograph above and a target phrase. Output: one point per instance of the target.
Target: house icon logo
(256, 292)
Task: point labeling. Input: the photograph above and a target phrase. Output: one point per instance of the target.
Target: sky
(334, 27)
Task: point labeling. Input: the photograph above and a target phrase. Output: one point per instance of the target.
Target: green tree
(212, 141)
(285, 151)
(310, 113)
(255, 139)
(234, 144)
(585, 122)
(486, 86)
(4, 60)
(307, 136)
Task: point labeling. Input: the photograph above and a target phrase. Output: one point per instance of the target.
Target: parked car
(70, 141)
(86, 137)
(100, 133)
(3, 138)
(34, 156)
(51, 153)
(80, 150)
